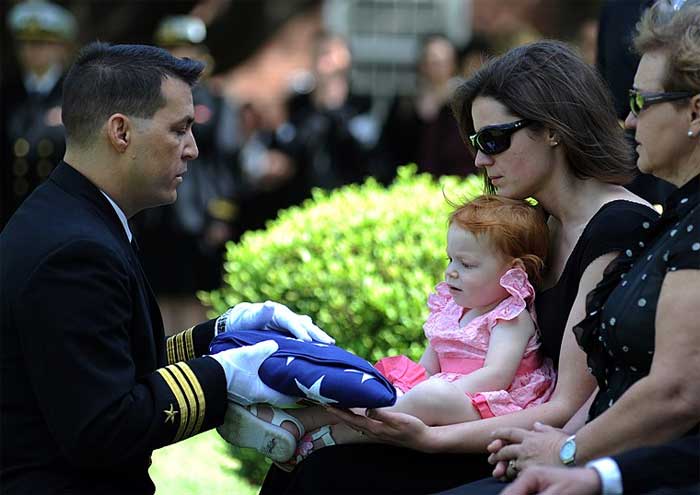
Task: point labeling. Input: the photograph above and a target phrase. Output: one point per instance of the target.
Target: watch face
(567, 450)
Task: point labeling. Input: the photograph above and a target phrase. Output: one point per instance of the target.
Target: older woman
(543, 126)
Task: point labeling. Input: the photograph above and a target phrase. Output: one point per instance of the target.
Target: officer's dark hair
(107, 79)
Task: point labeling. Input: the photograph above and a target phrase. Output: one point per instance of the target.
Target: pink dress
(463, 350)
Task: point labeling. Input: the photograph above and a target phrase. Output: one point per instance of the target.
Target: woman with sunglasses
(640, 333)
(543, 125)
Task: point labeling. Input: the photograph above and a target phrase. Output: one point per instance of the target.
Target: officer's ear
(119, 131)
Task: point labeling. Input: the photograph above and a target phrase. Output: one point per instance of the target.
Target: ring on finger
(511, 470)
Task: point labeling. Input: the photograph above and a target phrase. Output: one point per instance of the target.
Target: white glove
(271, 315)
(243, 383)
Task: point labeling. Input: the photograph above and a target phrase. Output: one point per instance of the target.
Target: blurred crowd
(256, 158)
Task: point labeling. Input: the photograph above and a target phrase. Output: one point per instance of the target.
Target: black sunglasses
(640, 101)
(494, 139)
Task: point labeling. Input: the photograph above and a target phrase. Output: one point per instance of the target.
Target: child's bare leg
(313, 417)
(437, 402)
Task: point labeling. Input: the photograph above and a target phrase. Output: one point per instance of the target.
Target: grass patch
(197, 466)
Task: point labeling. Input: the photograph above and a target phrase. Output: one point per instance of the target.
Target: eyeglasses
(640, 101)
(495, 139)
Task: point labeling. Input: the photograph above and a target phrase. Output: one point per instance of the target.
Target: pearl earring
(690, 133)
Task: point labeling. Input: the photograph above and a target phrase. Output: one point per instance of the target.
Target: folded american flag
(325, 374)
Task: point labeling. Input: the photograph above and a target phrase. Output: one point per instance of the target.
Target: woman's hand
(392, 428)
(525, 448)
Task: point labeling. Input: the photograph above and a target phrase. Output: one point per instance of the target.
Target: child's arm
(430, 361)
(506, 348)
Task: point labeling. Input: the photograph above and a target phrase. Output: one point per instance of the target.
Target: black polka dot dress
(619, 330)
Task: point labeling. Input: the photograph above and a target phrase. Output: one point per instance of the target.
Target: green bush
(360, 261)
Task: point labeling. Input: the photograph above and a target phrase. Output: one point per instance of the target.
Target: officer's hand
(271, 315)
(243, 383)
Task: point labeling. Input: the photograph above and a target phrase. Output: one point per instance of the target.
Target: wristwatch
(220, 324)
(567, 452)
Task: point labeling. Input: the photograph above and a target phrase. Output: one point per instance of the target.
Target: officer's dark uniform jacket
(89, 385)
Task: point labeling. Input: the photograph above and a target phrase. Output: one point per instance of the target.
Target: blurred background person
(617, 63)
(473, 55)
(204, 217)
(329, 131)
(587, 39)
(507, 23)
(269, 176)
(420, 128)
(33, 142)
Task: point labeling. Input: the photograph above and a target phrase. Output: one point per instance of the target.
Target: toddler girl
(482, 356)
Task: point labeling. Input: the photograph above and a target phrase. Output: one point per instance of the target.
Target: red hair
(516, 228)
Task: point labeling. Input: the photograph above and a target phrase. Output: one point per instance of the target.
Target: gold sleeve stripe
(181, 356)
(199, 393)
(176, 347)
(180, 347)
(189, 342)
(187, 420)
(179, 397)
(170, 345)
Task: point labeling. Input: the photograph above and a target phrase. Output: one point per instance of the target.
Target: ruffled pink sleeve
(439, 299)
(522, 296)
(515, 281)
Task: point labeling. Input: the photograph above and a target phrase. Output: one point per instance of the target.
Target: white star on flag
(314, 393)
(365, 376)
